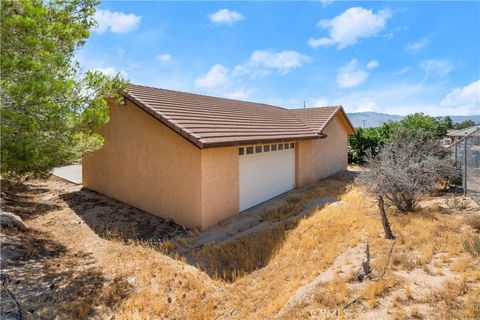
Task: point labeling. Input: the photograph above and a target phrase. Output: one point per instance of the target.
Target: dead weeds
(254, 276)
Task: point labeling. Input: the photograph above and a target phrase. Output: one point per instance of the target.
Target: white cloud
(238, 94)
(436, 68)
(111, 71)
(165, 57)
(225, 16)
(402, 71)
(261, 62)
(326, 2)
(413, 47)
(372, 64)
(369, 106)
(467, 98)
(215, 77)
(352, 74)
(320, 102)
(353, 24)
(406, 98)
(114, 21)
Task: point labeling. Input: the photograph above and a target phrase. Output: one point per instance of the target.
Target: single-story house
(199, 159)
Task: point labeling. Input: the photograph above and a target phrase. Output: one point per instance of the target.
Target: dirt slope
(87, 256)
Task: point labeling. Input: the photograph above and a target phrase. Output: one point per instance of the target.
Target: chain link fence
(466, 153)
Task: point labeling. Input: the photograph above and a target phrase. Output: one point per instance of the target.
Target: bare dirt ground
(88, 256)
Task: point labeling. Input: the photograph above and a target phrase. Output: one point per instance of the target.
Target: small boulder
(10, 220)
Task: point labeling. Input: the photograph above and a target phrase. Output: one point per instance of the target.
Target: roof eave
(260, 141)
(350, 132)
(200, 143)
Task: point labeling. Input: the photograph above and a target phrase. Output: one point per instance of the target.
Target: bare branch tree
(410, 165)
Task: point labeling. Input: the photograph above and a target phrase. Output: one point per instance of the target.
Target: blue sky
(393, 57)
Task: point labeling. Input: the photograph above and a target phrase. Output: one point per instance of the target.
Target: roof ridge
(209, 96)
(197, 121)
(311, 108)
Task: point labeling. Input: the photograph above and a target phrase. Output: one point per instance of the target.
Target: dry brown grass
(234, 259)
(375, 289)
(254, 276)
(473, 221)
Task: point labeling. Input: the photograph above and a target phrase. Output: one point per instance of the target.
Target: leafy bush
(464, 124)
(370, 140)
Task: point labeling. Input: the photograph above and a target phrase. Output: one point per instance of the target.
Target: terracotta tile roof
(210, 122)
(318, 118)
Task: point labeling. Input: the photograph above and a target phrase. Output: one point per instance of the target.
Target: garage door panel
(265, 175)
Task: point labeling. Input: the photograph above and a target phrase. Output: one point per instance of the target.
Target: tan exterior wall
(321, 158)
(220, 184)
(147, 165)
(303, 163)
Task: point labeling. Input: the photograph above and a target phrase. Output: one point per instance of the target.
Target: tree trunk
(386, 224)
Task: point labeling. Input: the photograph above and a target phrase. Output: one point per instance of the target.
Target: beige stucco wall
(220, 184)
(321, 158)
(147, 165)
(303, 163)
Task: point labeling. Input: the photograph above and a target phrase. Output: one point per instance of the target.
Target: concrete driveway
(72, 173)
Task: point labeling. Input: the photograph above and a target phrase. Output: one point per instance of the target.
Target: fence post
(456, 152)
(465, 166)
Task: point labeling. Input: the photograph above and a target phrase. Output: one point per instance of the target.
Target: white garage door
(266, 171)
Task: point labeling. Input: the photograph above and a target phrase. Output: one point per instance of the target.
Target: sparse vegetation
(473, 246)
(457, 203)
(473, 221)
(406, 168)
(256, 275)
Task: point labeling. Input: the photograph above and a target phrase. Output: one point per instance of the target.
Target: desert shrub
(457, 203)
(472, 247)
(474, 222)
(410, 165)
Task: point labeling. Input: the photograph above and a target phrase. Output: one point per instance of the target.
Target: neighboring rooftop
(464, 132)
(211, 122)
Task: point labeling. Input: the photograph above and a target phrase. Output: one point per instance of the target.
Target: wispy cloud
(225, 16)
(164, 57)
(326, 2)
(261, 62)
(464, 98)
(372, 64)
(436, 68)
(416, 46)
(402, 71)
(353, 73)
(115, 21)
(350, 26)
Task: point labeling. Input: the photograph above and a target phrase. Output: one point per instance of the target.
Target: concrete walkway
(72, 173)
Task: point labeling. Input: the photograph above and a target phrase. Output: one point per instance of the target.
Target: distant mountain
(371, 119)
(376, 119)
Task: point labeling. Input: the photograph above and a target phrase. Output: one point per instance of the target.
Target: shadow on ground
(47, 281)
(114, 220)
(235, 247)
(20, 200)
(41, 278)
